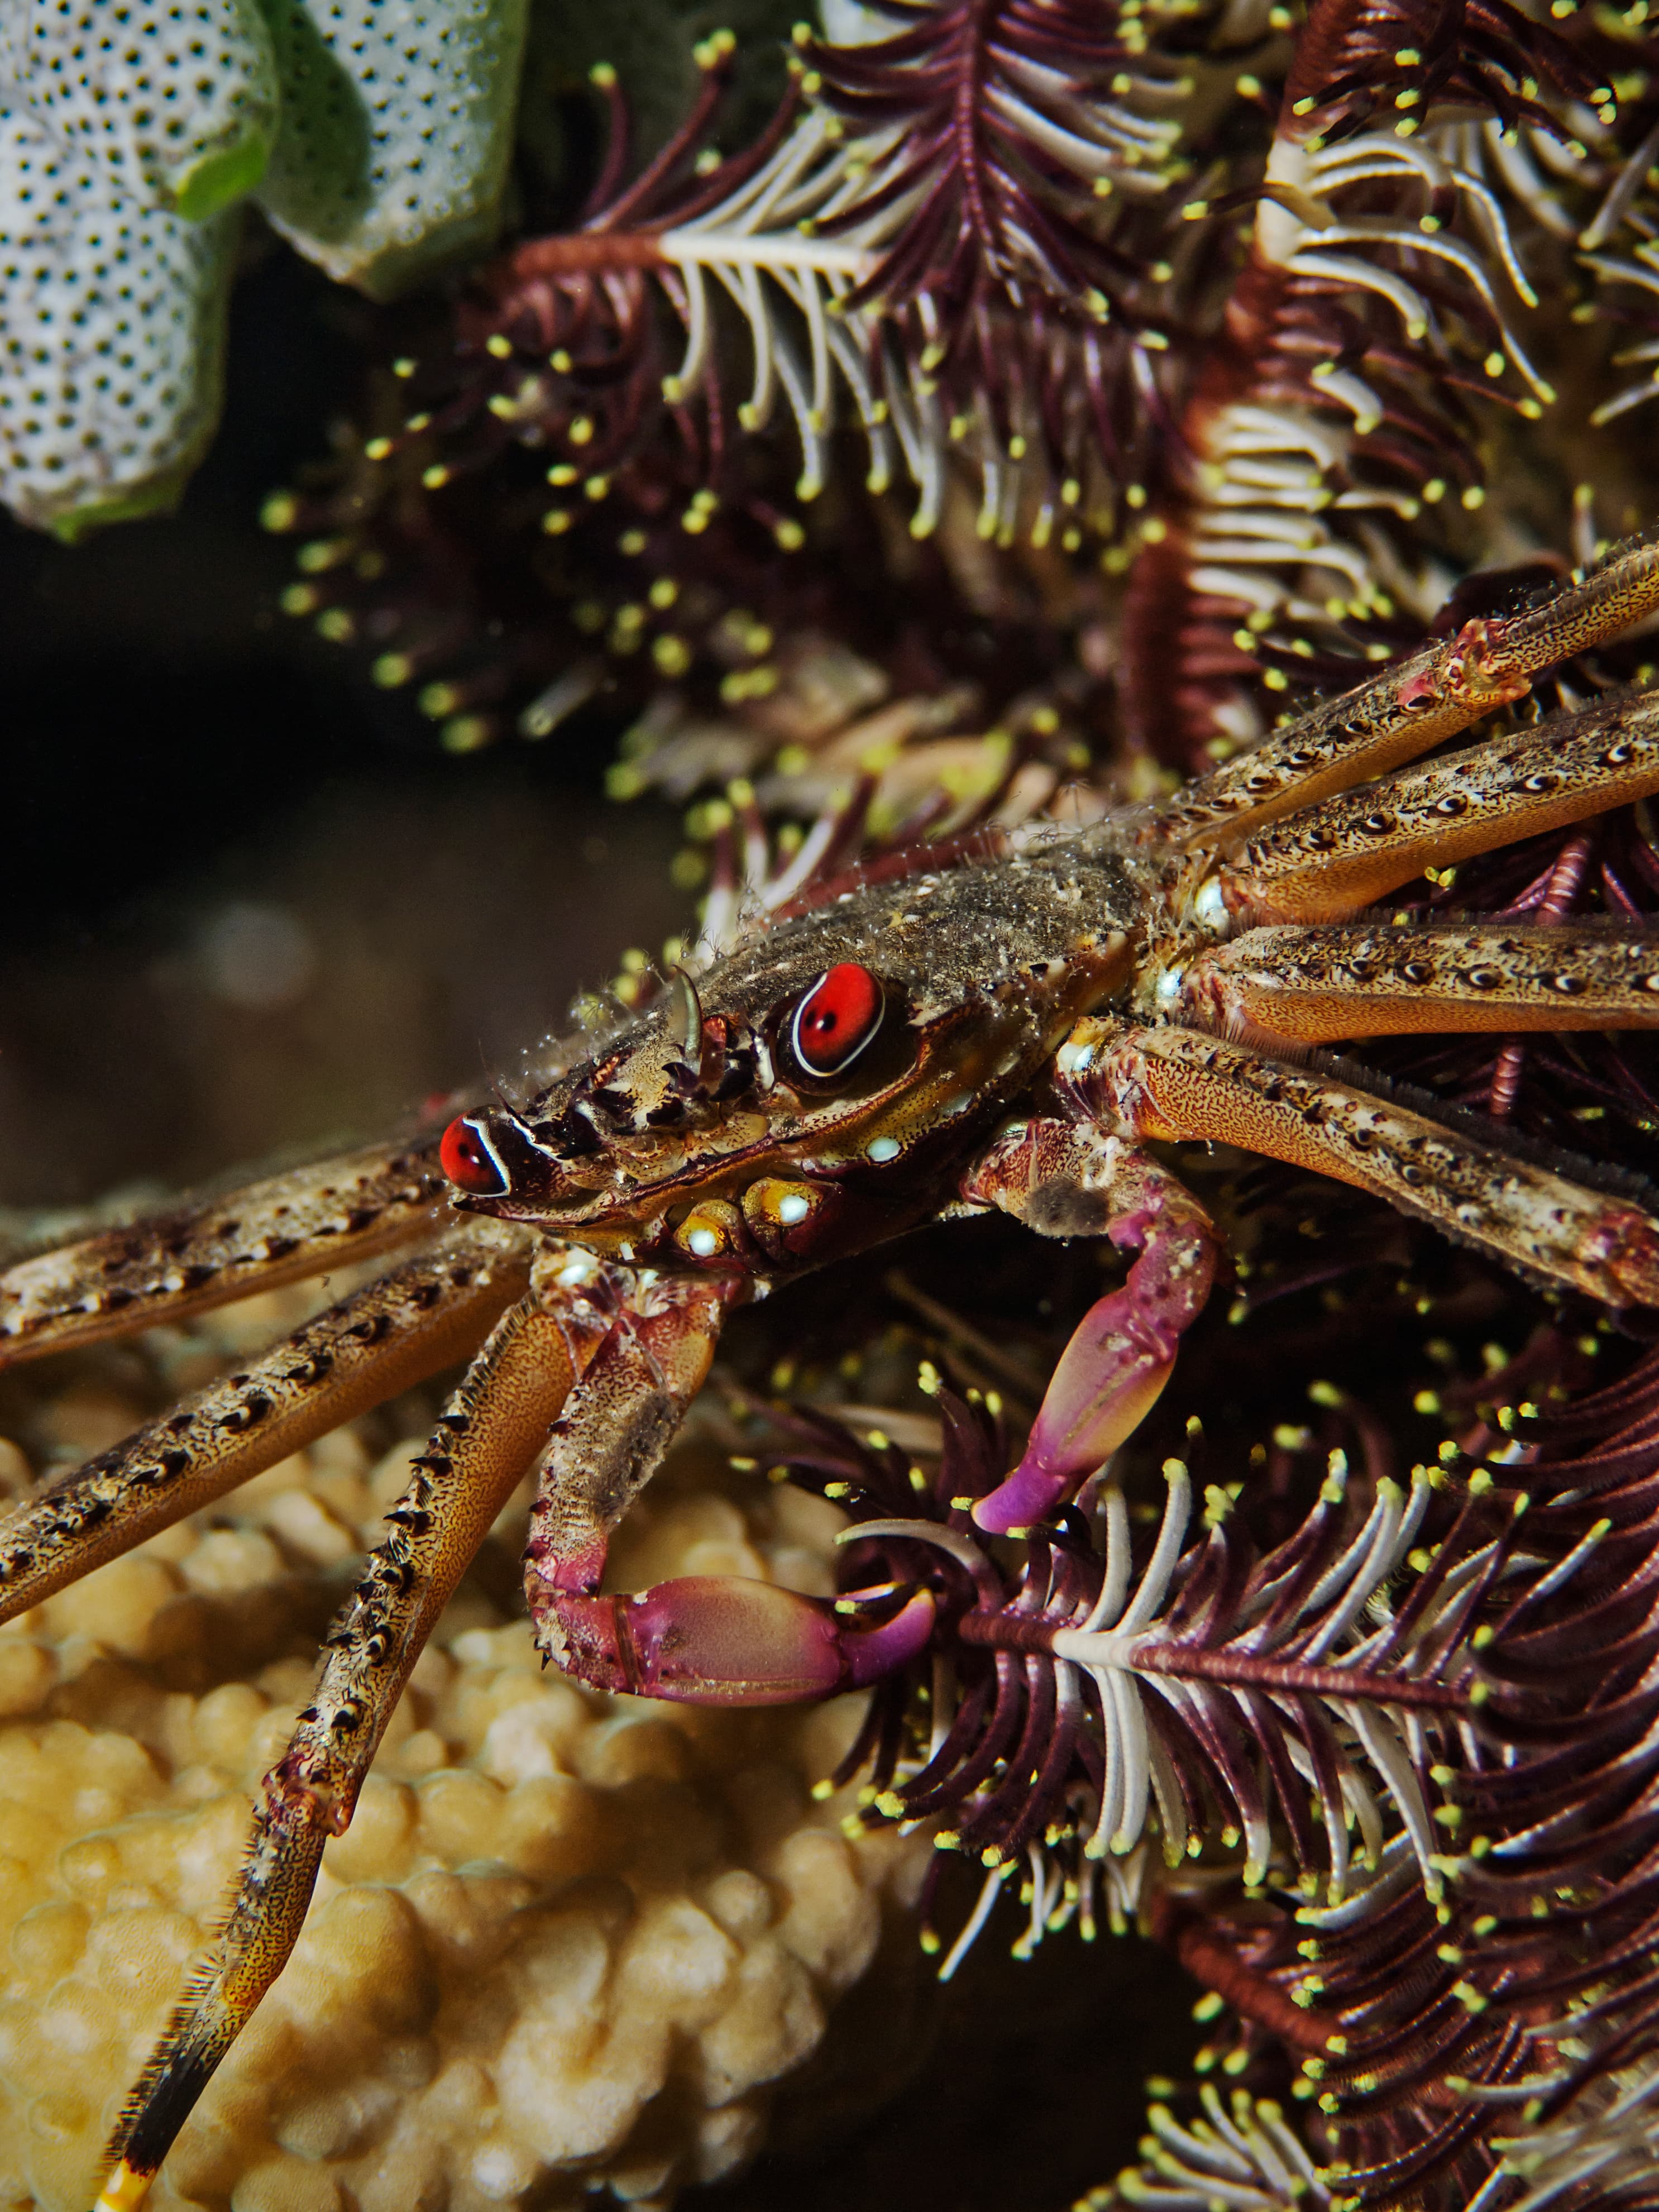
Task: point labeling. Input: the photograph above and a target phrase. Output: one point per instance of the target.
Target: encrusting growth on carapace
(1002, 1023)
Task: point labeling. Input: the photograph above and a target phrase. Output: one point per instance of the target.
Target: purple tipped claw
(715, 1640)
(1114, 1366)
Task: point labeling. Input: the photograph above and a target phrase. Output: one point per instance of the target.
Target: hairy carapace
(714, 1131)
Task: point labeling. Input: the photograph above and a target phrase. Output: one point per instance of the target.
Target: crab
(1005, 1023)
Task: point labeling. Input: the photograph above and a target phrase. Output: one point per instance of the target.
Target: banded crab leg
(487, 1435)
(426, 1315)
(1330, 860)
(1178, 1085)
(1489, 662)
(700, 1639)
(168, 1267)
(1313, 986)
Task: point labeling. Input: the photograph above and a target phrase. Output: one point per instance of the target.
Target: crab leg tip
(1632, 1257)
(879, 1651)
(126, 2190)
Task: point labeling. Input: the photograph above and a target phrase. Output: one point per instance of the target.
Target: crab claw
(1108, 1378)
(717, 1640)
(1118, 1360)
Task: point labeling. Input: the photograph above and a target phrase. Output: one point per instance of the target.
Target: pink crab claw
(716, 1640)
(1110, 1373)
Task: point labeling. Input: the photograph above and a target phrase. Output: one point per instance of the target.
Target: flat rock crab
(1005, 1024)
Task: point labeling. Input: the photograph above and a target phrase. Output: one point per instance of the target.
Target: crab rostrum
(999, 1024)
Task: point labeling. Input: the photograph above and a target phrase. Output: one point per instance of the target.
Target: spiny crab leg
(1066, 1179)
(1330, 860)
(1490, 662)
(1312, 986)
(170, 1266)
(386, 1337)
(703, 1639)
(487, 1435)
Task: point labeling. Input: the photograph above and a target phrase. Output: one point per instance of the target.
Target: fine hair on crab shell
(1004, 1024)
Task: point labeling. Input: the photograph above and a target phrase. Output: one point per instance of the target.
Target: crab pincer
(720, 1640)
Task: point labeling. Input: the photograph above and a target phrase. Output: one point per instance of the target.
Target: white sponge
(175, 103)
(396, 129)
(111, 327)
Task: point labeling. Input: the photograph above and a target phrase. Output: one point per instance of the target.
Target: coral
(568, 1941)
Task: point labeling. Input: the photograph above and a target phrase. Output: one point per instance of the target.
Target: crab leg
(1330, 860)
(1399, 714)
(1068, 1178)
(1310, 986)
(702, 1639)
(385, 1338)
(1175, 1083)
(486, 1437)
(172, 1265)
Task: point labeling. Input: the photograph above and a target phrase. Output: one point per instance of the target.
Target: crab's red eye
(469, 1163)
(836, 1019)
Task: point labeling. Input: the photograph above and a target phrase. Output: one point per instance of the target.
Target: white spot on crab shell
(703, 1244)
(957, 1104)
(1168, 986)
(1210, 908)
(795, 1208)
(881, 1149)
(579, 1268)
(1073, 1059)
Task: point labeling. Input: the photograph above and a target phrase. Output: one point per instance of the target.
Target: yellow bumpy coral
(569, 1939)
